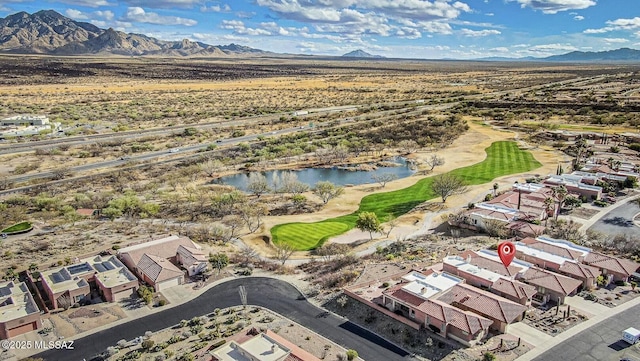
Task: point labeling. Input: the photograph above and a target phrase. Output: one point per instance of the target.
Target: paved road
(619, 221)
(274, 294)
(601, 342)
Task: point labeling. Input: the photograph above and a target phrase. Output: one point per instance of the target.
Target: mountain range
(48, 32)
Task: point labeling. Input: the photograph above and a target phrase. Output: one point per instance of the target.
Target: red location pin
(506, 251)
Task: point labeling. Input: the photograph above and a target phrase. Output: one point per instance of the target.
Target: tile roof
(483, 302)
(489, 264)
(191, 255)
(462, 320)
(579, 270)
(158, 269)
(514, 289)
(550, 248)
(526, 228)
(610, 263)
(551, 281)
(163, 248)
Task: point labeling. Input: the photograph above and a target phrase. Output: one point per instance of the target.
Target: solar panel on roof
(79, 268)
(57, 277)
(99, 267)
(5, 291)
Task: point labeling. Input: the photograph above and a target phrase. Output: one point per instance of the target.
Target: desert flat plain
(144, 144)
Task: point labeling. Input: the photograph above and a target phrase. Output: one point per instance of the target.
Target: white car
(174, 150)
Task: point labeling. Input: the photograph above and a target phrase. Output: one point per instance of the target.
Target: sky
(425, 29)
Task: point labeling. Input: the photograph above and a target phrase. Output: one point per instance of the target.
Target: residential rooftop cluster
(468, 295)
(160, 263)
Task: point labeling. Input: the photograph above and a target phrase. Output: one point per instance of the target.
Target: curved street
(619, 221)
(276, 295)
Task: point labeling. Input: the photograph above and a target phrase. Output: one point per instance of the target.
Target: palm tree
(560, 194)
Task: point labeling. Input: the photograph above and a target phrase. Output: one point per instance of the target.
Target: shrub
(162, 302)
(147, 344)
(488, 356)
(352, 355)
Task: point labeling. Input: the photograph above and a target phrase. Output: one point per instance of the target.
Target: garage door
(22, 329)
(119, 296)
(168, 283)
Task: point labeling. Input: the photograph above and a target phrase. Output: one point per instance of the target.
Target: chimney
(423, 290)
(274, 347)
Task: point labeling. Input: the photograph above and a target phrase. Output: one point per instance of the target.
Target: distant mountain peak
(49, 32)
(359, 53)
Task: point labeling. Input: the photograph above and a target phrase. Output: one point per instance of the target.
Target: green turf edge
(18, 227)
(503, 158)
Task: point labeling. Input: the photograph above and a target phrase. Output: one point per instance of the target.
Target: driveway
(619, 221)
(601, 342)
(276, 295)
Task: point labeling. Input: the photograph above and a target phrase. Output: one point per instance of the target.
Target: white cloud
(578, 18)
(616, 40)
(238, 27)
(354, 20)
(106, 14)
(489, 14)
(555, 6)
(163, 4)
(550, 48)
(87, 3)
(479, 33)
(224, 8)
(139, 15)
(615, 25)
(76, 14)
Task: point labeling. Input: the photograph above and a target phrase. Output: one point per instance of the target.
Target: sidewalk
(554, 341)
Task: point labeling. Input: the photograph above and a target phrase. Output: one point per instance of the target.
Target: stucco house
(156, 262)
(19, 313)
(73, 283)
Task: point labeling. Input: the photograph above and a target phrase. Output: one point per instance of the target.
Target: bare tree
(234, 223)
(257, 184)
(211, 167)
(252, 215)
(327, 251)
(495, 228)
(434, 161)
(64, 301)
(5, 183)
(408, 146)
(446, 185)
(327, 191)
(283, 251)
(247, 255)
(291, 184)
(384, 178)
(391, 224)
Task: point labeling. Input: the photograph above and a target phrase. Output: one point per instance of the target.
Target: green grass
(22, 226)
(503, 158)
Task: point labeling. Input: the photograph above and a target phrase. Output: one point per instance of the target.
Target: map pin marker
(506, 251)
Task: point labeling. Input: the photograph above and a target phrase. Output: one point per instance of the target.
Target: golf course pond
(337, 175)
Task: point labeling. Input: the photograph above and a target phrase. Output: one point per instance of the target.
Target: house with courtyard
(575, 185)
(157, 262)
(480, 275)
(266, 346)
(105, 275)
(550, 286)
(19, 313)
(413, 300)
(612, 268)
(499, 310)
